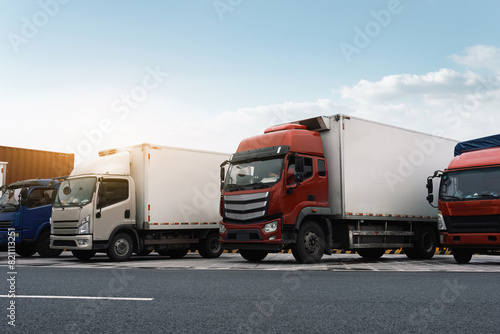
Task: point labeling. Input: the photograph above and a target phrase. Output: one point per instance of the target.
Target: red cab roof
(485, 157)
(295, 136)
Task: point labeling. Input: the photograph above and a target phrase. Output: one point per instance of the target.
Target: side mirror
(299, 164)
(430, 198)
(429, 185)
(24, 193)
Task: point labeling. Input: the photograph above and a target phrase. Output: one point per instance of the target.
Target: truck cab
(469, 199)
(91, 210)
(25, 209)
(269, 182)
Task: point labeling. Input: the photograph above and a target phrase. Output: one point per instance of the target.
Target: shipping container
(24, 164)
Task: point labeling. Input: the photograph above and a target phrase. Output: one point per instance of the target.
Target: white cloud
(480, 57)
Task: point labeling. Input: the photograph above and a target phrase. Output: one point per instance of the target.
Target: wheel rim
(214, 245)
(122, 247)
(311, 242)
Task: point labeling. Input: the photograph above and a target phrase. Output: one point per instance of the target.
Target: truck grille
(5, 224)
(65, 227)
(246, 207)
(473, 224)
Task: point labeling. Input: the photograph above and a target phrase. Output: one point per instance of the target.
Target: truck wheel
(25, 251)
(43, 246)
(371, 254)
(462, 256)
(411, 253)
(310, 244)
(210, 247)
(253, 255)
(426, 243)
(121, 247)
(83, 255)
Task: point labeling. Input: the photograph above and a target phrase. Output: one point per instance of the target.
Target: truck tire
(253, 255)
(25, 250)
(121, 247)
(83, 255)
(462, 256)
(210, 247)
(411, 253)
(426, 243)
(310, 244)
(43, 245)
(371, 254)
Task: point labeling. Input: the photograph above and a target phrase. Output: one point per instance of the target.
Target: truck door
(311, 191)
(114, 207)
(36, 210)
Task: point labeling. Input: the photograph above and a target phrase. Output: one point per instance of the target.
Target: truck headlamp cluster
(84, 227)
(271, 227)
(441, 224)
(222, 228)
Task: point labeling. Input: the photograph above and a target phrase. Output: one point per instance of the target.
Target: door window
(113, 191)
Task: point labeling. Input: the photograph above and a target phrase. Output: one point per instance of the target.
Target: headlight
(222, 228)
(51, 226)
(271, 227)
(84, 227)
(441, 223)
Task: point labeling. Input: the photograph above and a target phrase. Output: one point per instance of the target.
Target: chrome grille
(65, 227)
(247, 206)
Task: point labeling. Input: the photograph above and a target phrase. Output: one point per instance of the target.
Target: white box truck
(140, 199)
(332, 182)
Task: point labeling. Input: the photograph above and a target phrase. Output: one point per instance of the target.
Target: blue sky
(80, 76)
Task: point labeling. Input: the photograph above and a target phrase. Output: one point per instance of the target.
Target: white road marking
(78, 297)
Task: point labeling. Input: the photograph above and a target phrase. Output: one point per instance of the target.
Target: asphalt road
(249, 301)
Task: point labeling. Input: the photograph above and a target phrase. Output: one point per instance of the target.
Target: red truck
(331, 182)
(469, 199)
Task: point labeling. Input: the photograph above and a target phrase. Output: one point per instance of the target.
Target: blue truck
(25, 209)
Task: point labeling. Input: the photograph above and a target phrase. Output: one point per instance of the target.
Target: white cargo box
(379, 171)
(176, 188)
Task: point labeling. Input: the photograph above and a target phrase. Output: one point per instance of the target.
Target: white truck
(140, 199)
(332, 182)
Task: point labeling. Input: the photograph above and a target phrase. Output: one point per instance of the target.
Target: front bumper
(476, 240)
(71, 242)
(251, 236)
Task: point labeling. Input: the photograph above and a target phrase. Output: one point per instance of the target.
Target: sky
(81, 76)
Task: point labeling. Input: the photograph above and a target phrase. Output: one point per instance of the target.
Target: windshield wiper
(260, 185)
(485, 196)
(452, 198)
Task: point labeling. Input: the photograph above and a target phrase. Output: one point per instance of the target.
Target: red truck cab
(269, 183)
(469, 202)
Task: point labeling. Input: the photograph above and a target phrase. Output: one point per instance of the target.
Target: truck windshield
(253, 175)
(474, 184)
(75, 192)
(10, 199)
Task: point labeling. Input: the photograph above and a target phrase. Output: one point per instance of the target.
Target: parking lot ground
(233, 261)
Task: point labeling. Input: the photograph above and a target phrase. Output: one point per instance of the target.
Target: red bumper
(480, 240)
(252, 234)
